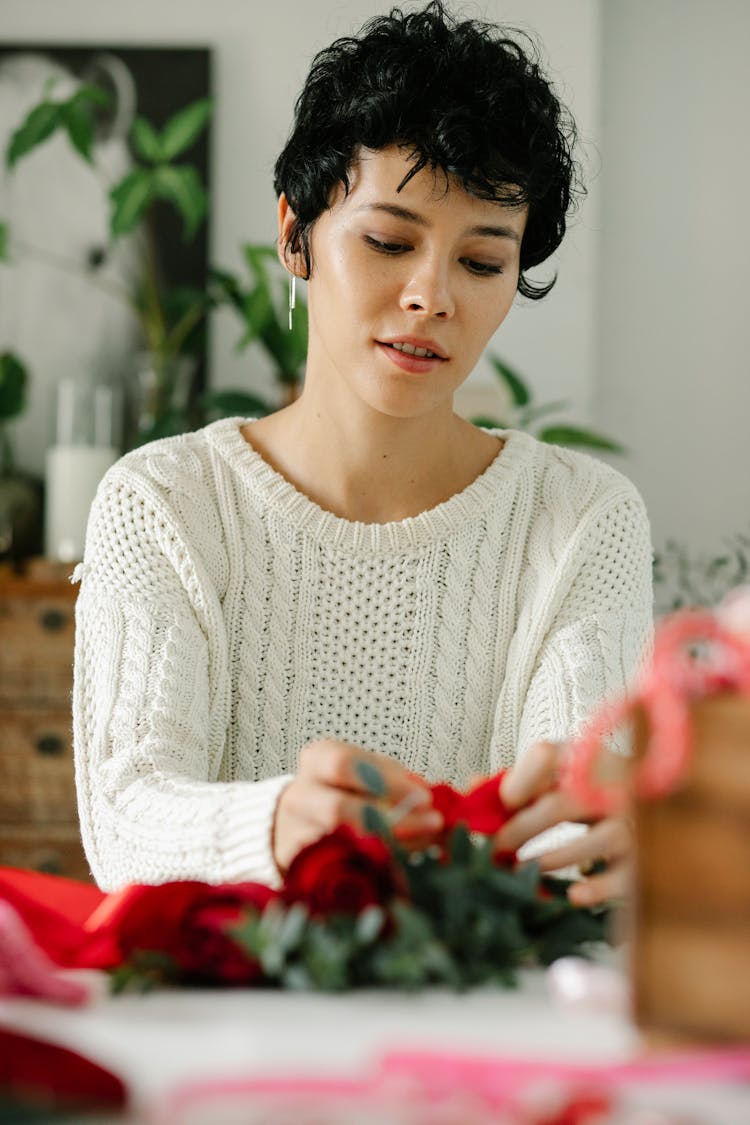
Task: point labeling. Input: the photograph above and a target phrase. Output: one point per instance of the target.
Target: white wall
(675, 362)
(262, 52)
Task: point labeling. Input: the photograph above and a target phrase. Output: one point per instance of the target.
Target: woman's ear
(287, 219)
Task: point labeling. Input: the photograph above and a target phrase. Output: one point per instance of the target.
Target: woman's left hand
(531, 786)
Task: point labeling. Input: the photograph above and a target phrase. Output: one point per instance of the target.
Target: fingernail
(432, 819)
(419, 797)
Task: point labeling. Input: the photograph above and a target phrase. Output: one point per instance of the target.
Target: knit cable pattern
(225, 621)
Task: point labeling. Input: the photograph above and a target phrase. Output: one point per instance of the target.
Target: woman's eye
(482, 269)
(385, 247)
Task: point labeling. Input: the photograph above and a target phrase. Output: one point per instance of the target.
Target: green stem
(184, 326)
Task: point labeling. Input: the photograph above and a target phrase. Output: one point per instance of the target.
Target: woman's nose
(428, 292)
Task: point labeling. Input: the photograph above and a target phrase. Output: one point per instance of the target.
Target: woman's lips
(416, 364)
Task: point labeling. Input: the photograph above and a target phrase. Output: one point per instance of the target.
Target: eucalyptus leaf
(577, 436)
(39, 124)
(374, 822)
(371, 777)
(146, 141)
(130, 200)
(369, 924)
(293, 927)
(182, 130)
(181, 185)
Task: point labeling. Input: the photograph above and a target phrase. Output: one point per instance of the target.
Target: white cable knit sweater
(225, 620)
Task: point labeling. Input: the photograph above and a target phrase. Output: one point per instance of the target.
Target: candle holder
(88, 419)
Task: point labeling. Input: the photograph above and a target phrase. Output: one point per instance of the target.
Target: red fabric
(54, 910)
(34, 1072)
(481, 809)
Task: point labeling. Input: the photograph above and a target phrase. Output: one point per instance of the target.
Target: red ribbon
(481, 809)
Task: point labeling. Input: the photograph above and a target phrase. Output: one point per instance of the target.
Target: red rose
(189, 922)
(342, 873)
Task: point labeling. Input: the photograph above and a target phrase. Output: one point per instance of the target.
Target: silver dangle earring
(292, 296)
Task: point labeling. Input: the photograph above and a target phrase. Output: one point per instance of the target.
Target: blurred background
(643, 338)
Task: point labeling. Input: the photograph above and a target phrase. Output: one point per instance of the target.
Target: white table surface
(157, 1042)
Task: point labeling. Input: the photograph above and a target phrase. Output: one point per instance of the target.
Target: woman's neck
(368, 467)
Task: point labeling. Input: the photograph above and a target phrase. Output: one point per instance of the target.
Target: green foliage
(462, 923)
(371, 778)
(264, 308)
(230, 404)
(3, 242)
(72, 115)
(689, 579)
(13, 384)
(525, 415)
(182, 186)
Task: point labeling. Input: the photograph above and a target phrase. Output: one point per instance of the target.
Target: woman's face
(423, 268)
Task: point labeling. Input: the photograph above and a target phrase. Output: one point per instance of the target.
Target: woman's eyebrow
(482, 231)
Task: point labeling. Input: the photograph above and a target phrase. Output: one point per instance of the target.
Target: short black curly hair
(466, 98)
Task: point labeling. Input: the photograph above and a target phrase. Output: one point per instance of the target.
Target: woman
(267, 603)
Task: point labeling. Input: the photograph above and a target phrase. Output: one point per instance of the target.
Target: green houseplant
(523, 413)
(20, 495)
(170, 319)
(166, 318)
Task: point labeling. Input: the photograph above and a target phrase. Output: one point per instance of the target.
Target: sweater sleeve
(151, 706)
(599, 634)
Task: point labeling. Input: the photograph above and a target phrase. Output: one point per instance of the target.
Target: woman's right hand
(327, 791)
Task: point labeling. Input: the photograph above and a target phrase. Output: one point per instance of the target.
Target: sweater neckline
(274, 491)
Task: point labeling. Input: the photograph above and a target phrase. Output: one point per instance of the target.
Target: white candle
(73, 473)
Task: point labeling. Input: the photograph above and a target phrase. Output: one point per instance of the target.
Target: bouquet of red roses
(357, 910)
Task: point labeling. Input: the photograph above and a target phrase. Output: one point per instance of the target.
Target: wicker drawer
(57, 851)
(36, 768)
(36, 638)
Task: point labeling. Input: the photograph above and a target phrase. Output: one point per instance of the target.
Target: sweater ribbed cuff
(247, 854)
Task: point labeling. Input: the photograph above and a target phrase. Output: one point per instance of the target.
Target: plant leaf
(256, 256)
(39, 124)
(146, 141)
(182, 130)
(533, 413)
(91, 93)
(519, 391)
(13, 382)
(77, 119)
(4, 240)
(374, 822)
(489, 423)
(181, 185)
(230, 404)
(130, 199)
(576, 436)
(371, 777)
(256, 308)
